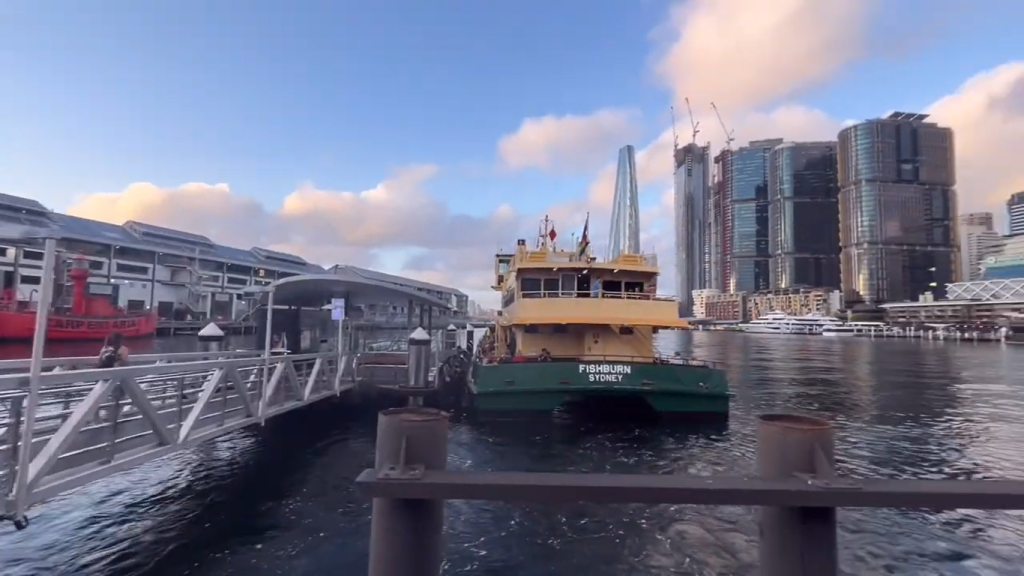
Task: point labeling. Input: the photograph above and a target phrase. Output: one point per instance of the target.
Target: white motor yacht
(781, 323)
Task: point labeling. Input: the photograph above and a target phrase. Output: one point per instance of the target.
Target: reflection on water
(280, 500)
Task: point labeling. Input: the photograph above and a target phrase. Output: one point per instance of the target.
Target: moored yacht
(781, 323)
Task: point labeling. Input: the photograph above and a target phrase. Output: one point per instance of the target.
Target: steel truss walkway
(89, 424)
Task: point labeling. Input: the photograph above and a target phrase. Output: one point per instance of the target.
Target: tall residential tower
(1015, 213)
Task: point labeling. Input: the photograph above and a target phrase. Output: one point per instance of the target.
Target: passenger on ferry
(544, 355)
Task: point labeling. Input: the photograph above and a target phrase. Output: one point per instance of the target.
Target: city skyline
(313, 132)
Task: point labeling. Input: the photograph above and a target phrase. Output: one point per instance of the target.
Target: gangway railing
(22, 365)
(90, 424)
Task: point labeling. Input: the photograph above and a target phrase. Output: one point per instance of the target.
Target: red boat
(93, 314)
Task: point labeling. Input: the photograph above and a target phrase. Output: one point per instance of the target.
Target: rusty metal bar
(406, 535)
(796, 541)
(704, 490)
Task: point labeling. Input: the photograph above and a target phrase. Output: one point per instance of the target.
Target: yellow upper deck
(547, 286)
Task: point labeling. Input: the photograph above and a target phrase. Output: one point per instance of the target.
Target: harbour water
(280, 500)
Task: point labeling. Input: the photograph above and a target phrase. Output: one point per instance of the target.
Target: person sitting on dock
(114, 353)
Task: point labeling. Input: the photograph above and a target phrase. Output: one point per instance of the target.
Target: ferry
(574, 328)
(781, 323)
(856, 329)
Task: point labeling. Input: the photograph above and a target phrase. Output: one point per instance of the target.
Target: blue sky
(268, 95)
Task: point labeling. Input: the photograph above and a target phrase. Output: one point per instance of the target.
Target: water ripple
(280, 500)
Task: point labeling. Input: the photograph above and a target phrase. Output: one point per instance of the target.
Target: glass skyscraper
(691, 192)
(897, 209)
(803, 215)
(747, 189)
(624, 235)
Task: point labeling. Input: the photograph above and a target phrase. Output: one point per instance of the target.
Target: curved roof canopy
(316, 290)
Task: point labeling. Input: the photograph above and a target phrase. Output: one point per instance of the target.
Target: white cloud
(986, 114)
(567, 143)
(743, 54)
(324, 226)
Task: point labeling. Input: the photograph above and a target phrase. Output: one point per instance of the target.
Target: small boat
(93, 313)
(573, 329)
(856, 329)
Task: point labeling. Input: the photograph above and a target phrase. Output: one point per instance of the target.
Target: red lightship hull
(21, 326)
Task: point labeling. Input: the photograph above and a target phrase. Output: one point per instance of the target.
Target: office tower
(1015, 213)
(624, 236)
(691, 211)
(978, 241)
(803, 215)
(897, 209)
(747, 190)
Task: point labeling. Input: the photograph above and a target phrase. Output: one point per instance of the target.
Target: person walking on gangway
(114, 353)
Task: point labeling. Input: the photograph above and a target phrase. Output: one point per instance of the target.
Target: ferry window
(636, 287)
(35, 255)
(503, 267)
(568, 284)
(559, 329)
(531, 329)
(611, 285)
(131, 269)
(530, 287)
(625, 330)
(31, 280)
(551, 286)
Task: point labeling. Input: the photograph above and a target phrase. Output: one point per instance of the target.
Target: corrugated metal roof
(75, 228)
(26, 204)
(385, 277)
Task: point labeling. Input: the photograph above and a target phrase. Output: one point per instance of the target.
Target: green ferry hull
(544, 386)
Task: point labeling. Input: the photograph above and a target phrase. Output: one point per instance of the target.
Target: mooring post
(406, 536)
(796, 541)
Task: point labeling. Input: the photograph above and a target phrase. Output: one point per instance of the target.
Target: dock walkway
(88, 424)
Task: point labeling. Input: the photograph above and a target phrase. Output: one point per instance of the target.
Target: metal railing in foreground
(90, 424)
(796, 487)
(22, 365)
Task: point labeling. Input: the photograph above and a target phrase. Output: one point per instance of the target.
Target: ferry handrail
(593, 358)
(600, 294)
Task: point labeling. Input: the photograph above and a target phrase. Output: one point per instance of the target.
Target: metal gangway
(88, 424)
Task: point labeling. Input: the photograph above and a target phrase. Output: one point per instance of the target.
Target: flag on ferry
(581, 249)
(552, 234)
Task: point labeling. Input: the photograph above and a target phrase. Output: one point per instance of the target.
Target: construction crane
(728, 133)
(675, 138)
(693, 125)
